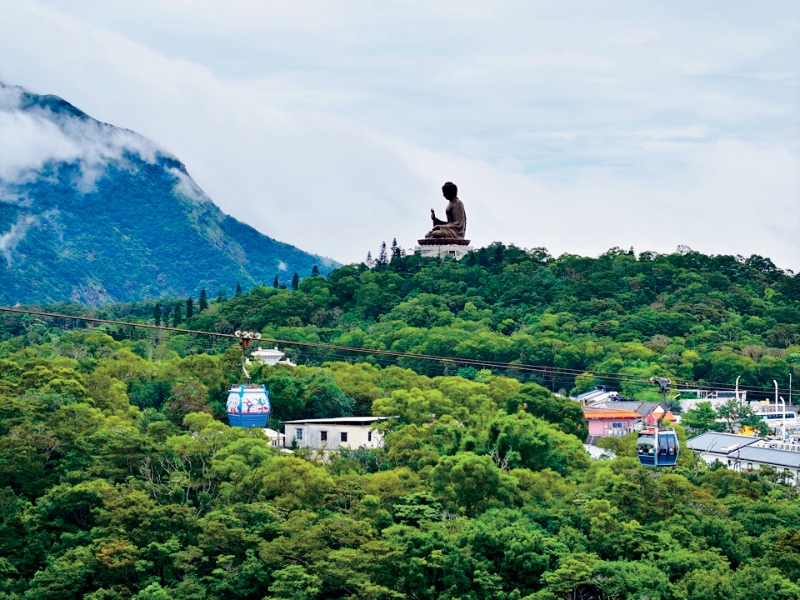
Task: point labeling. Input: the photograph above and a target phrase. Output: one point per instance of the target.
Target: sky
(577, 126)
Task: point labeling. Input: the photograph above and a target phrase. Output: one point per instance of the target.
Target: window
(344, 436)
(298, 434)
(369, 436)
(323, 435)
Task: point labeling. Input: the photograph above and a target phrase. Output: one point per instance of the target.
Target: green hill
(687, 316)
(119, 477)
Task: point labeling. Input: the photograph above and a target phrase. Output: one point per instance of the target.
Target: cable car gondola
(248, 406)
(657, 447)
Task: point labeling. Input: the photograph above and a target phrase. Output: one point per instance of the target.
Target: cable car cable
(541, 369)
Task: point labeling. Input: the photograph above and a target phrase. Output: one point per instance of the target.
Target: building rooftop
(780, 458)
(608, 413)
(722, 443)
(596, 395)
(643, 408)
(337, 421)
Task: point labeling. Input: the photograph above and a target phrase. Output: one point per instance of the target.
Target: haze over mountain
(91, 213)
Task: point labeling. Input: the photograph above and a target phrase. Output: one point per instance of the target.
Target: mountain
(92, 213)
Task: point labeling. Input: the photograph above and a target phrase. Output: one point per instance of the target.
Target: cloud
(186, 187)
(333, 126)
(13, 236)
(36, 136)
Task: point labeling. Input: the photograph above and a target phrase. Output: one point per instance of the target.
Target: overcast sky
(577, 126)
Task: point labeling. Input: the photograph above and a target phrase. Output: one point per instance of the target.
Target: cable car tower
(248, 405)
(658, 447)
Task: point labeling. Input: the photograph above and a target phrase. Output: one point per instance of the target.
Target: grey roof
(337, 421)
(643, 408)
(721, 443)
(592, 395)
(741, 447)
(770, 456)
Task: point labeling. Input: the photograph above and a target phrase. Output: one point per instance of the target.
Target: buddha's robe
(456, 225)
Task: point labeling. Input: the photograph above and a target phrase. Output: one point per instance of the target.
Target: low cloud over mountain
(92, 212)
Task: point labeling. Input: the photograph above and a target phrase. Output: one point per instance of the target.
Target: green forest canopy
(120, 479)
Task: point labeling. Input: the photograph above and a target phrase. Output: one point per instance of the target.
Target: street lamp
(739, 400)
(783, 420)
(776, 395)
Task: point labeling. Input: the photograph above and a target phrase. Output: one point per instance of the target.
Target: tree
(188, 395)
(176, 316)
(471, 482)
(275, 282)
(702, 418)
(383, 258)
(221, 296)
(525, 441)
(369, 261)
(295, 282)
(157, 314)
(395, 251)
(203, 303)
(295, 583)
(734, 415)
(189, 308)
(238, 291)
(315, 271)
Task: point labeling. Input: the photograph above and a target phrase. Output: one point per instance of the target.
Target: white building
(780, 418)
(744, 453)
(331, 434)
(716, 398)
(275, 437)
(271, 357)
(597, 395)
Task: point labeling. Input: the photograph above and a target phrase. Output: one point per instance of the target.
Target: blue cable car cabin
(248, 406)
(657, 447)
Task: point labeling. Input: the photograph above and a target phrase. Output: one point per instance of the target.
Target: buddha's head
(449, 190)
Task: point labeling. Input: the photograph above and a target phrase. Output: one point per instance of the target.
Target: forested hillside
(119, 477)
(687, 316)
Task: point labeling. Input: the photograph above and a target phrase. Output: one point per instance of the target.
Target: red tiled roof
(609, 413)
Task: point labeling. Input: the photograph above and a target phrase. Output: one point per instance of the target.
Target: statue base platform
(443, 242)
(439, 248)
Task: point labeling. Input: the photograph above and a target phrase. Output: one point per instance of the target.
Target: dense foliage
(686, 316)
(126, 230)
(120, 479)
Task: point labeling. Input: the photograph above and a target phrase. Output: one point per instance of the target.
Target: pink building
(603, 422)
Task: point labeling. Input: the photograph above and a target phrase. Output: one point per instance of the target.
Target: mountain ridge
(99, 213)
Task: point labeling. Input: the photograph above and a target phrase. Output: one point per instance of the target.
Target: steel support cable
(541, 369)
